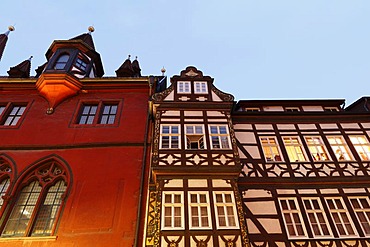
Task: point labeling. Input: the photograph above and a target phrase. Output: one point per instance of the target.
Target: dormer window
(183, 87)
(292, 109)
(81, 64)
(60, 64)
(200, 87)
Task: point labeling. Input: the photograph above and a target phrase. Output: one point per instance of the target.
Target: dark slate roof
(21, 70)
(86, 38)
(4, 39)
(136, 68)
(126, 69)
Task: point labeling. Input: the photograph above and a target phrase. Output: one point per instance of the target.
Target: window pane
(48, 210)
(22, 211)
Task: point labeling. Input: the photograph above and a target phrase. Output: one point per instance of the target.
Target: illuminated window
(317, 148)
(340, 216)
(294, 149)
(61, 62)
(199, 210)
(35, 211)
(361, 207)
(5, 174)
(362, 146)
(316, 217)
(339, 147)
(194, 137)
(172, 211)
(292, 218)
(270, 149)
(226, 216)
(170, 136)
(219, 136)
(200, 87)
(12, 114)
(183, 87)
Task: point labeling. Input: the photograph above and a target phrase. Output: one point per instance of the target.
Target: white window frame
(294, 149)
(339, 215)
(183, 87)
(361, 145)
(292, 213)
(365, 211)
(219, 136)
(195, 134)
(252, 109)
(224, 206)
(315, 212)
(200, 87)
(317, 148)
(330, 109)
(170, 136)
(271, 148)
(198, 205)
(173, 205)
(340, 148)
(292, 109)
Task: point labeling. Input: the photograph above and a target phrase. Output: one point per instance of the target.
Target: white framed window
(292, 109)
(292, 218)
(219, 136)
(200, 87)
(271, 149)
(332, 109)
(194, 137)
(183, 87)
(294, 149)
(172, 210)
(170, 136)
(317, 148)
(340, 148)
(361, 206)
(340, 216)
(362, 146)
(199, 210)
(252, 109)
(317, 218)
(225, 207)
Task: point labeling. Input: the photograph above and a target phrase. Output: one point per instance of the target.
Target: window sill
(11, 239)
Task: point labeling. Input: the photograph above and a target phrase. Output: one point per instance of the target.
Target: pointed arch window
(61, 62)
(38, 202)
(6, 173)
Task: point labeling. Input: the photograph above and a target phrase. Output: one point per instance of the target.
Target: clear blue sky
(255, 49)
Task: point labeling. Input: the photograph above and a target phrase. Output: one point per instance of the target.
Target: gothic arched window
(37, 203)
(61, 62)
(6, 174)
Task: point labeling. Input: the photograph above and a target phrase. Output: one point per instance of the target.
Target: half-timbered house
(305, 171)
(193, 199)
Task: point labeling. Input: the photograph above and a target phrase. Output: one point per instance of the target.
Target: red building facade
(74, 150)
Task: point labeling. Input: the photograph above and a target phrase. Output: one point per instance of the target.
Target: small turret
(4, 39)
(21, 70)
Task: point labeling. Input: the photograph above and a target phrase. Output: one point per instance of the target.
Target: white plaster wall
(245, 137)
(261, 208)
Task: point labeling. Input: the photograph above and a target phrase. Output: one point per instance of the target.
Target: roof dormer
(192, 86)
(68, 61)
